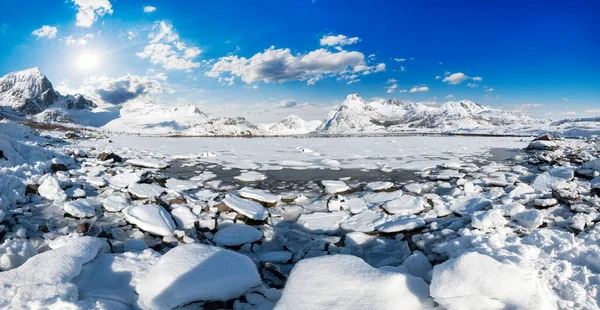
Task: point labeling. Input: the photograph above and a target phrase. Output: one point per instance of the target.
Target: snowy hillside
(292, 125)
(358, 116)
(150, 118)
(30, 93)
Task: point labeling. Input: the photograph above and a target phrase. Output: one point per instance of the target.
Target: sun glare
(87, 61)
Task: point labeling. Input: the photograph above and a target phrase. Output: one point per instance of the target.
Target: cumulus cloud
(46, 31)
(149, 9)
(455, 78)
(166, 50)
(287, 103)
(88, 11)
(123, 89)
(338, 40)
(421, 89)
(280, 65)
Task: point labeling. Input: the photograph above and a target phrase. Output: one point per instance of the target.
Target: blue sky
(267, 59)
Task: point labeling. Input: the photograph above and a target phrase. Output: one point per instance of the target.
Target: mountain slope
(30, 93)
(356, 115)
(292, 125)
(150, 118)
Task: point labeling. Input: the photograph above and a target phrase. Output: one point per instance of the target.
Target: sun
(87, 61)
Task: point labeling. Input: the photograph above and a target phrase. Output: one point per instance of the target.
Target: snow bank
(194, 272)
(476, 281)
(347, 282)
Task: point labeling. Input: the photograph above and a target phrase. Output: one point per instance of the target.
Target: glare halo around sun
(87, 61)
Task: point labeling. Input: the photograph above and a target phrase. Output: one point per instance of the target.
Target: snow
(334, 187)
(366, 221)
(338, 282)
(476, 281)
(251, 209)
(151, 218)
(529, 219)
(552, 179)
(292, 125)
(488, 219)
(81, 208)
(115, 202)
(51, 190)
(181, 185)
(147, 163)
(378, 186)
(184, 217)
(406, 204)
(34, 285)
(174, 280)
(397, 223)
(124, 180)
(236, 234)
(15, 252)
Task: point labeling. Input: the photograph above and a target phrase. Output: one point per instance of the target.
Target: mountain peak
(354, 97)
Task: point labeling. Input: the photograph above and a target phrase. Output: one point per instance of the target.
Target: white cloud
(450, 96)
(70, 40)
(280, 65)
(88, 11)
(595, 111)
(477, 79)
(165, 49)
(392, 88)
(340, 39)
(402, 68)
(287, 103)
(420, 89)
(161, 76)
(46, 31)
(489, 90)
(455, 78)
(149, 9)
(437, 77)
(488, 97)
(353, 81)
(400, 59)
(403, 91)
(392, 81)
(227, 80)
(570, 113)
(472, 85)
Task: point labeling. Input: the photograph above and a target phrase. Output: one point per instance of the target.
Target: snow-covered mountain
(150, 118)
(356, 115)
(292, 125)
(30, 93)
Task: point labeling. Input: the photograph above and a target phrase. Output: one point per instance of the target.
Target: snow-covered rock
(15, 252)
(334, 186)
(142, 190)
(292, 125)
(196, 272)
(251, 209)
(81, 208)
(476, 281)
(406, 204)
(259, 195)
(51, 190)
(236, 234)
(151, 218)
(347, 282)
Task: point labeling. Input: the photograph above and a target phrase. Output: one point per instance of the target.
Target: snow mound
(151, 218)
(34, 285)
(347, 282)
(477, 281)
(195, 272)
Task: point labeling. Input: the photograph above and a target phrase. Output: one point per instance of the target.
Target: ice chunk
(115, 203)
(334, 187)
(476, 281)
(195, 272)
(124, 180)
(15, 252)
(363, 222)
(148, 163)
(488, 219)
(378, 186)
(406, 204)
(251, 176)
(529, 219)
(181, 185)
(151, 218)
(418, 265)
(248, 208)
(397, 223)
(50, 189)
(259, 195)
(552, 179)
(146, 190)
(81, 208)
(323, 222)
(184, 217)
(467, 205)
(347, 282)
(275, 257)
(236, 234)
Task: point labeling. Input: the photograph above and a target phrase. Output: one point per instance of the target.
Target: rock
(196, 272)
(82, 228)
(251, 209)
(476, 281)
(58, 167)
(340, 282)
(32, 188)
(110, 156)
(543, 145)
(177, 201)
(151, 218)
(236, 234)
(545, 137)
